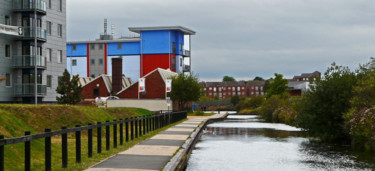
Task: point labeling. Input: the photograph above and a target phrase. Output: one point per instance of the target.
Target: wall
(81, 67)
(152, 105)
(151, 62)
(155, 88)
(88, 90)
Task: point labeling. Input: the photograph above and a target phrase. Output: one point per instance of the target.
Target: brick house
(307, 76)
(255, 88)
(154, 83)
(100, 86)
(225, 89)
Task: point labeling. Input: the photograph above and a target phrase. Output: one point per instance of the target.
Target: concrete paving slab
(176, 132)
(140, 162)
(170, 137)
(163, 142)
(181, 129)
(189, 124)
(151, 150)
(179, 126)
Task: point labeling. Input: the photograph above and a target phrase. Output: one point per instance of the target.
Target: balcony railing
(26, 61)
(186, 53)
(10, 30)
(28, 32)
(186, 68)
(27, 5)
(28, 89)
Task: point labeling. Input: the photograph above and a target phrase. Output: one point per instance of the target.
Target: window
(92, 61)
(214, 88)
(238, 88)
(100, 46)
(60, 5)
(174, 47)
(234, 93)
(261, 88)
(96, 92)
(49, 55)
(7, 20)
(8, 81)
(210, 94)
(92, 46)
(252, 87)
(252, 93)
(49, 4)
(233, 88)
(181, 47)
(74, 47)
(229, 93)
(256, 87)
(74, 62)
(7, 51)
(243, 88)
(59, 30)
(224, 88)
(257, 93)
(59, 56)
(243, 93)
(174, 63)
(100, 61)
(210, 88)
(181, 62)
(49, 28)
(224, 94)
(49, 80)
(204, 89)
(262, 93)
(119, 45)
(219, 88)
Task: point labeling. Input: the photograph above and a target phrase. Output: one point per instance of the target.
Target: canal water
(247, 143)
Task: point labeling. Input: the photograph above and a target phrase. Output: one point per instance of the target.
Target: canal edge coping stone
(179, 160)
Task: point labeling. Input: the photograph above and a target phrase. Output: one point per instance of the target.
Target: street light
(35, 55)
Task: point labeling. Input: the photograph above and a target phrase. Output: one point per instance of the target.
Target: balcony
(27, 90)
(28, 33)
(28, 61)
(186, 68)
(10, 30)
(28, 5)
(186, 53)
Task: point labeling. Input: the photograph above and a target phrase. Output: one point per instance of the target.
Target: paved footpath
(153, 153)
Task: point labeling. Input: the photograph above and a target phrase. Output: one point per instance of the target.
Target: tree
(185, 88)
(69, 89)
(258, 78)
(322, 109)
(228, 78)
(278, 86)
(235, 100)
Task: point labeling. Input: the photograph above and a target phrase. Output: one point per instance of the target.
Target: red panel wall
(151, 62)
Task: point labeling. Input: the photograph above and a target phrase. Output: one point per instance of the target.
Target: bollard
(132, 129)
(136, 127)
(64, 148)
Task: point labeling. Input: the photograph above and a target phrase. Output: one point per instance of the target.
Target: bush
(269, 106)
(321, 110)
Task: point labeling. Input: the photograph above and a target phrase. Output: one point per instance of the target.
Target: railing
(29, 61)
(186, 53)
(10, 30)
(186, 68)
(29, 5)
(138, 126)
(29, 89)
(28, 32)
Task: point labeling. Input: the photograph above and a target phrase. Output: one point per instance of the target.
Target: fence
(138, 126)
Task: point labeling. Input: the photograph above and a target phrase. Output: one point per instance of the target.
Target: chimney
(116, 74)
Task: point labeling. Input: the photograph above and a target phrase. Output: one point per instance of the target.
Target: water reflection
(246, 143)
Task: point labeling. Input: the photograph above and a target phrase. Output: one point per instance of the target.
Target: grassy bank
(16, 119)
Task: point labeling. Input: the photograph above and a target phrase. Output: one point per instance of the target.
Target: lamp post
(35, 56)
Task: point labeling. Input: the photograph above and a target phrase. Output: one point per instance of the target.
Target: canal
(247, 143)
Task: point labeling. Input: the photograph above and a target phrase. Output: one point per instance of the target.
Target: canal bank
(156, 152)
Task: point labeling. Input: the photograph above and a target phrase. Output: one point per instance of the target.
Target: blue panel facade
(81, 50)
(155, 42)
(127, 48)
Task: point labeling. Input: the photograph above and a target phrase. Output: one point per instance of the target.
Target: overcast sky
(245, 38)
